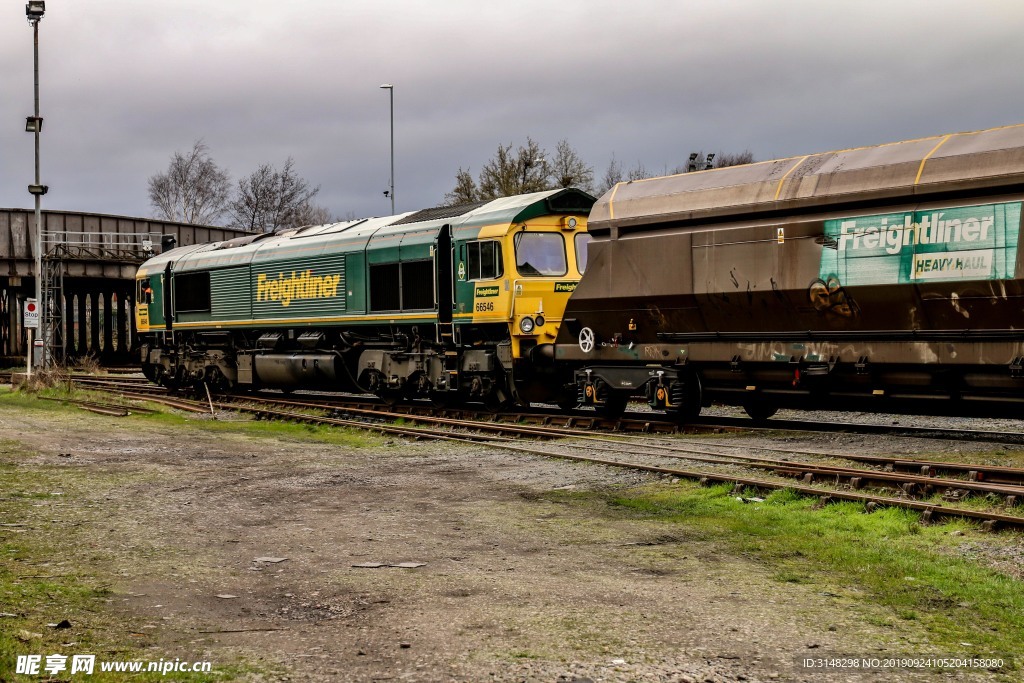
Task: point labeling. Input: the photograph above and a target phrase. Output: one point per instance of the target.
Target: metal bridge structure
(89, 263)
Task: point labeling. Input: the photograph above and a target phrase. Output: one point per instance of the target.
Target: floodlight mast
(34, 11)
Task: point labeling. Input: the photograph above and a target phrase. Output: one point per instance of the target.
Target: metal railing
(104, 246)
(61, 246)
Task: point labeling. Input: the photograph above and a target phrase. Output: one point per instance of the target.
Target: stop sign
(31, 314)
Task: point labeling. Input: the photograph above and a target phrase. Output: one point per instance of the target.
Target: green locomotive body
(441, 303)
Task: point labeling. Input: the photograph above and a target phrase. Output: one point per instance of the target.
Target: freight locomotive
(447, 304)
(883, 277)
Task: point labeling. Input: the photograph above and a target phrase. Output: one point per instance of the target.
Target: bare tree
(612, 176)
(507, 174)
(734, 158)
(268, 199)
(465, 192)
(638, 172)
(193, 190)
(721, 160)
(569, 170)
(312, 214)
(527, 169)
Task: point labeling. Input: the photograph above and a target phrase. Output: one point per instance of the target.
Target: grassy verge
(353, 438)
(913, 572)
(48, 575)
(55, 566)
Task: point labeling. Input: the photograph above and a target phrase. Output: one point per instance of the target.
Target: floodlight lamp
(35, 9)
(386, 86)
(33, 124)
(38, 189)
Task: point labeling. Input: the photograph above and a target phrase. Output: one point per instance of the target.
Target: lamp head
(34, 10)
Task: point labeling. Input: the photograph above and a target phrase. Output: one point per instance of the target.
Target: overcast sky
(125, 83)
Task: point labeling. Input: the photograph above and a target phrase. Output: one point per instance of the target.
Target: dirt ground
(514, 584)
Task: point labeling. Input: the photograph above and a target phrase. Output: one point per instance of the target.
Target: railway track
(936, 489)
(631, 422)
(1009, 438)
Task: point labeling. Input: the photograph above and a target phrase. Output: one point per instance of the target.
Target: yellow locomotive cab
(541, 262)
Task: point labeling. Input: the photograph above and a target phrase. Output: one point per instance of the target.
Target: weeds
(910, 569)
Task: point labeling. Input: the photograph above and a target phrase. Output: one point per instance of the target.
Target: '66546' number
(482, 306)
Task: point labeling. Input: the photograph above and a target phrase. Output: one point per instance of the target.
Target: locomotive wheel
(151, 372)
(444, 399)
(760, 410)
(391, 398)
(496, 401)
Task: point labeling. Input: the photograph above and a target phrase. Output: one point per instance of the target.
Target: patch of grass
(14, 447)
(47, 575)
(912, 571)
(53, 569)
(340, 436)
(1004, 457)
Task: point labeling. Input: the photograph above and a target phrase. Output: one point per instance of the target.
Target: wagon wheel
(760, 410)
(614, 406)
(568, 402)
(692, 400)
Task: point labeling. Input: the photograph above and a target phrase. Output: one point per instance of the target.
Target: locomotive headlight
(526, 325)
(540, 321)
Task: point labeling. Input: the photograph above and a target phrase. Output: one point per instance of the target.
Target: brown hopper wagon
(883, 277)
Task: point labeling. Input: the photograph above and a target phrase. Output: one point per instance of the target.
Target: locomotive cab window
(145, 295)
(192, 292)
(582, 241)
(484, 260)
(540, 254)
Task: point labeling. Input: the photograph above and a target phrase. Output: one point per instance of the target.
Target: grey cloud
(125, 84)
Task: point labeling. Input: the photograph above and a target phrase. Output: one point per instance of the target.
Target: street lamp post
(34, 11)
(391, 95)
